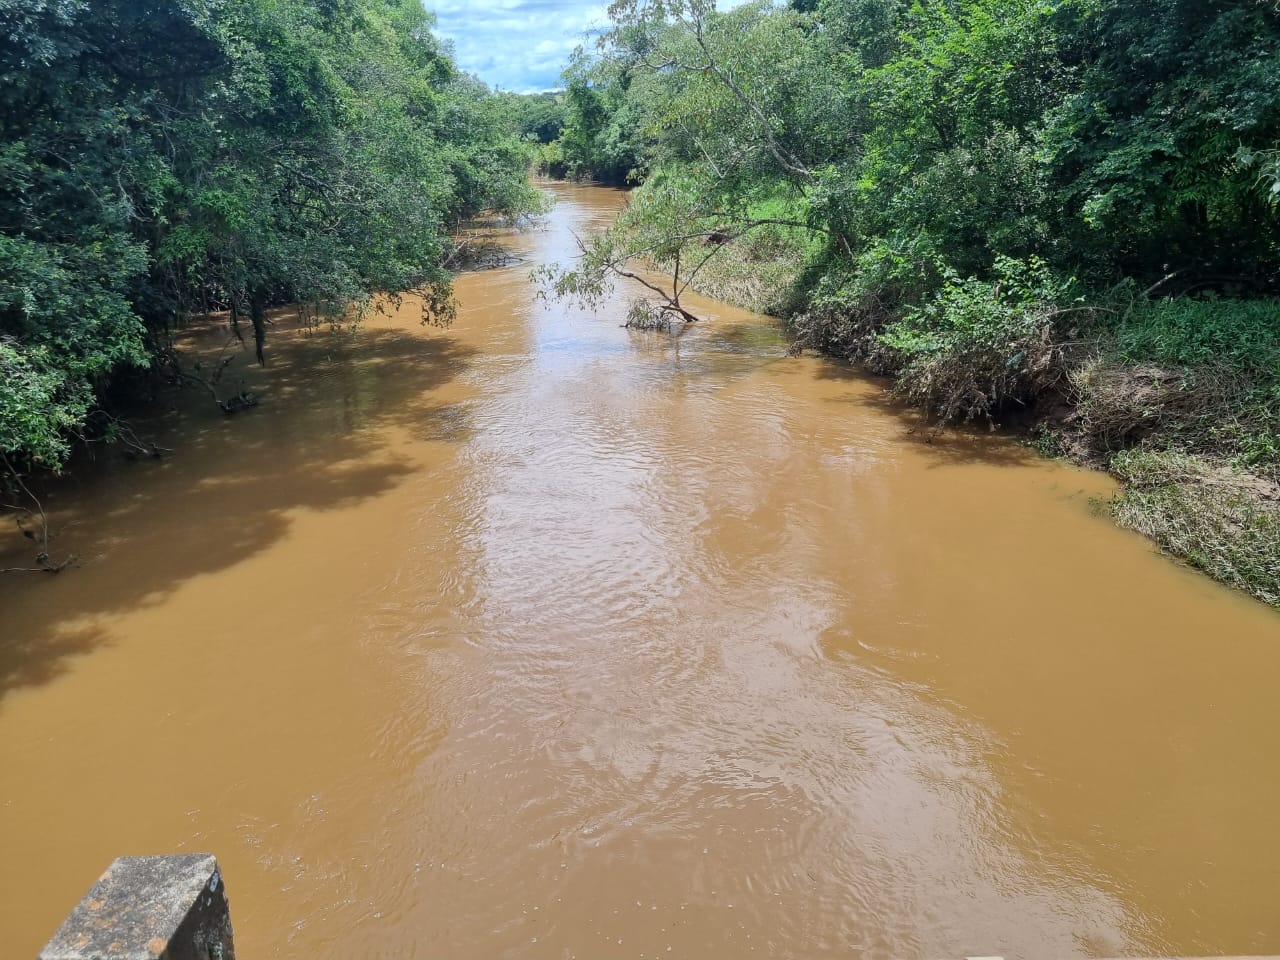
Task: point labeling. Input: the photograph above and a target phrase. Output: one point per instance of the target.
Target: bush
(548, 161)
(850, 305)
(979, 345)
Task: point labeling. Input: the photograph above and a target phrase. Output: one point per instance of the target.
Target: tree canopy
(1087, 143)
(159, 159)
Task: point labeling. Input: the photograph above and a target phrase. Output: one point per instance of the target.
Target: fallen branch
(118, 430)
(46, 565)
(241, 400)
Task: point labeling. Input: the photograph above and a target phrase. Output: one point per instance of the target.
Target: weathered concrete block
(150, 908)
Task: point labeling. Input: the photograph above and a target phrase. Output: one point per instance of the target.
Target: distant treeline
(587, 131)
(160, 159)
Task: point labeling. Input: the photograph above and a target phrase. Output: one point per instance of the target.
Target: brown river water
(540, 638)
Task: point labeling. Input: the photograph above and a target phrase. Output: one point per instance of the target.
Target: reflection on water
(537, 637)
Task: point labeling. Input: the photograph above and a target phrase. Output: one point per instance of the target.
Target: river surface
(539, 638)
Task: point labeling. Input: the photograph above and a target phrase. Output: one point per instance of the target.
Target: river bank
(999, 209)
(1194, 446)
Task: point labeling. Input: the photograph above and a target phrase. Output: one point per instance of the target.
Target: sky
(518, 45)
(521, 45)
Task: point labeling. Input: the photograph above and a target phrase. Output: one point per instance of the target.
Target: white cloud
(520, 45)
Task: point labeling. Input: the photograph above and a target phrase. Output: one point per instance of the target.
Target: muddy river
(540, 638)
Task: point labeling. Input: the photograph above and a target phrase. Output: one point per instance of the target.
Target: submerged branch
(45, 565)
(241, 400)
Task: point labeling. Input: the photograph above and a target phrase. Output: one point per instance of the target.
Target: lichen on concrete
(150, 908)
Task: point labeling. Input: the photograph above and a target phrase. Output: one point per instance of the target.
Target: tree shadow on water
(27, 661)
(323, 439)
(955, 444)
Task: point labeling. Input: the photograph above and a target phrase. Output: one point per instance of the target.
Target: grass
(1183, 403)
(1218, 521)
(1190, 332)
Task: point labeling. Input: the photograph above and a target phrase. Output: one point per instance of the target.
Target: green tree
(160, 161)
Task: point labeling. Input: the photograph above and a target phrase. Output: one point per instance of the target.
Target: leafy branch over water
(662, 242)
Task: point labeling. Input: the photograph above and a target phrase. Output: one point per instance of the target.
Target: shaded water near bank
(538, 638)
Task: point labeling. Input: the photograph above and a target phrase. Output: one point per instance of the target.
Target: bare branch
(42, 558)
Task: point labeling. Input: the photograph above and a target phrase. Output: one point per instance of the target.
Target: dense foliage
(159, 159)
(1120, 152)
(1107, 140)
(1069, 204)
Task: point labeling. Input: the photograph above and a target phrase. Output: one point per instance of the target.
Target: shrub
(979, 345)
(549, 161)
(850, 305)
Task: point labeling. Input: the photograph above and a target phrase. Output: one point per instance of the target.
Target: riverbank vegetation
(162, 161)
(1063, 214)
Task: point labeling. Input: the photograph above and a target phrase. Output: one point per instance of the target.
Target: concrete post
(150, 908)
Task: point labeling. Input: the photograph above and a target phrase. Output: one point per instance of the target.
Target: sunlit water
(539, 638)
